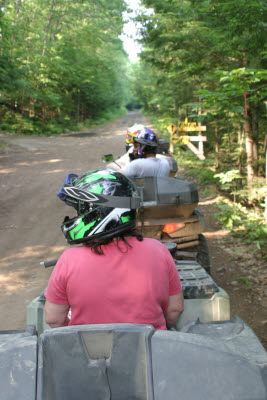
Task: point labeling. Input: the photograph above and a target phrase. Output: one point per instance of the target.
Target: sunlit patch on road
(19, 269)
(7, 171)
(30, 164)
(217, 234)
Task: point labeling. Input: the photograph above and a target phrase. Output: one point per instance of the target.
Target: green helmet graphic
(106, 202)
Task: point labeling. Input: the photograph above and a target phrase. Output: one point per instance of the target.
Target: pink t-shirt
(132, 286)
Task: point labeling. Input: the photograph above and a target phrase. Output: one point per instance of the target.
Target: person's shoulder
(154, 243)
(164, 160)
(132, 164)
(157, 248)
(137, 161)
(75, 250)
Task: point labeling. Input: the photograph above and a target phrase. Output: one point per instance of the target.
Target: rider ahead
(116, 276)
(146, 162)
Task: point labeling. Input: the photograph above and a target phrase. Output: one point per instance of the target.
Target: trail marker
(178, 134)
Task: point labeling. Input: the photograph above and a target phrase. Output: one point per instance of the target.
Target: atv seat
(98, 362)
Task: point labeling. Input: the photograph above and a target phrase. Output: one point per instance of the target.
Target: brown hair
(96, 244)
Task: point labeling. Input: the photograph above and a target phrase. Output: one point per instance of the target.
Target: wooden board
(181, 255)
(181, 240)
(187, 244)
(197, 138)
(196, 151)
(190, 229)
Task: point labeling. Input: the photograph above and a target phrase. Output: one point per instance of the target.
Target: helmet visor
(69, 181)
(130, 137)
(75, 194)
(98, 222)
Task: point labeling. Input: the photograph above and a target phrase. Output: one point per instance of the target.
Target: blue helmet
(148, 141)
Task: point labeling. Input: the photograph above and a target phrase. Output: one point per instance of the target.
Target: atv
(169, 212)
(219, 361)
(206, 357)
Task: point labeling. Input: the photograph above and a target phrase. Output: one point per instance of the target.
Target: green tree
(66, 62)
(207, 54)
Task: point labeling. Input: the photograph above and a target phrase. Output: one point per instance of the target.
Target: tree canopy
(61, 62)
(209, 56)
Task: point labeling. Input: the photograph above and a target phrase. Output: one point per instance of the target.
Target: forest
(61, 63)
(63, 66)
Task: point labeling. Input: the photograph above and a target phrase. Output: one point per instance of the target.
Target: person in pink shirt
(114, 275)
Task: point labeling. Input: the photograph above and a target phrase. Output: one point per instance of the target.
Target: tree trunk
(17, 8)
(255, 130)
(78, 106)
(216, 146)
(48, 26)
(249, 150)
(240, 142)
(265, 151)
(43, 116)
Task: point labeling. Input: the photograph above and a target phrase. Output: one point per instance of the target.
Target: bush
(244, 223)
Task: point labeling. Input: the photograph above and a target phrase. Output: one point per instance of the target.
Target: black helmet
(106, 202)
(148, 141)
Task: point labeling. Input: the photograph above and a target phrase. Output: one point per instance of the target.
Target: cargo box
(166, 197)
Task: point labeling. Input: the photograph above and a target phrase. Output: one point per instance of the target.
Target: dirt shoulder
(31, 171)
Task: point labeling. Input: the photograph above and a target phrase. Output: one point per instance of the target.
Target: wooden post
(171, 147)
(200, 143)
(172, 129)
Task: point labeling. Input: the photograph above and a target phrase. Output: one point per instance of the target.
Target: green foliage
(244, 223)
(15, 123)
(246, 282)
(228, 97)
(103, 118)
(229, 215)
(201, 54)
(203, 171)
(227, 179)
(61, 63)
(209, 56)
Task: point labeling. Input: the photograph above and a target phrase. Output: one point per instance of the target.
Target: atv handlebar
(47, 264)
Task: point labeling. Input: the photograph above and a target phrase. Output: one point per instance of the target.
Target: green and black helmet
(106, 202)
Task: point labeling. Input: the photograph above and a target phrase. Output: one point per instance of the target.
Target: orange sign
(169, 228)
(172, 227)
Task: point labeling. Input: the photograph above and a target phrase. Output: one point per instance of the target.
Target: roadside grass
(15, 124)
(104, 117)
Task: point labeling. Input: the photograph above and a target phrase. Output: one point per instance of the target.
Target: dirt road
(31, 172)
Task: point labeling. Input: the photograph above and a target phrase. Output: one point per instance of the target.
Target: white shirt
(150, 166)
